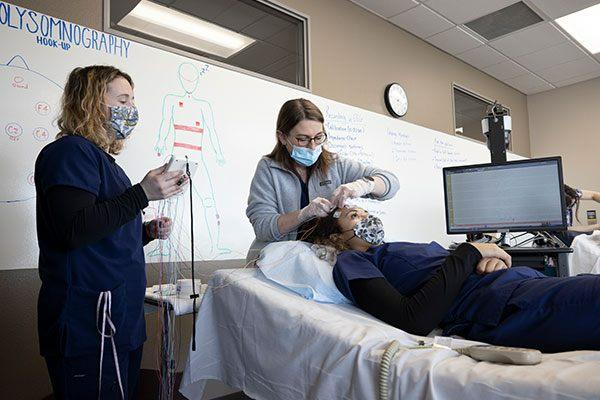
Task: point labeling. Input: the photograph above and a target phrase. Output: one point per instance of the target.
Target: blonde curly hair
(83, 108)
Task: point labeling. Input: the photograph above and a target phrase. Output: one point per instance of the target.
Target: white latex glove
(351, 190)
(319, 207)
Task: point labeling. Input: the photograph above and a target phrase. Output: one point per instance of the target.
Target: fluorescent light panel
(584, 26)
(177, 27)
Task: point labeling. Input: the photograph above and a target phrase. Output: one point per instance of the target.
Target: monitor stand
(550, 240)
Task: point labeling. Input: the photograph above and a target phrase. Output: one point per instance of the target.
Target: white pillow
(295, 265)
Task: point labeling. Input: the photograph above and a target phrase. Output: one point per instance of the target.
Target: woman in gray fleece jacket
(300, 180)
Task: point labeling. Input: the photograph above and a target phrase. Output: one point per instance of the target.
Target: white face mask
(370, 229)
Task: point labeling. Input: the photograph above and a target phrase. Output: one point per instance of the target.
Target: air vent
(509, 19)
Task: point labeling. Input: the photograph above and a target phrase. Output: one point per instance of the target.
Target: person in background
(473, 292)
(300, 179)
(91, 237)
(572, 200)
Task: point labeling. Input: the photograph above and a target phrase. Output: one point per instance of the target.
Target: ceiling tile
(570, 69)
(579, 78)
(505, 70)
(421, 21)
(239, 16)
(454, 41)
(528, 40)
(559, 8)
(550, 56)
(539, 89)
(461, 11)
(257, 56)
(527, 82)
(287, 38)
(266, 27)
(482, 56)
(386, 8)
(205, 9)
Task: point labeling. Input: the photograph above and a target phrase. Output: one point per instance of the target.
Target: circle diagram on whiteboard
(396, 100)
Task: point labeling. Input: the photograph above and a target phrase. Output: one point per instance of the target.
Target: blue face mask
(306, 156)
(123, 119)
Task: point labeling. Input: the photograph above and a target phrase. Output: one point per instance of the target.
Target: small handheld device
(501, 354)
(179, 164)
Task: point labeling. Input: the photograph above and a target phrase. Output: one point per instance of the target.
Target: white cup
(184, 286)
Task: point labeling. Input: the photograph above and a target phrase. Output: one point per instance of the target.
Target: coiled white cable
(384, 368)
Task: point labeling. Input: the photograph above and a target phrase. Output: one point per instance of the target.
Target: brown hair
(320, 230)
(83, 110)
(572, 199)
(290, 114)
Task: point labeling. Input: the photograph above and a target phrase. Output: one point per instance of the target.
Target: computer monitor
(525, 195)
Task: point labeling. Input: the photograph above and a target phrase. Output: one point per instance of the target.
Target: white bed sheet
(273, 344)
(585, 258)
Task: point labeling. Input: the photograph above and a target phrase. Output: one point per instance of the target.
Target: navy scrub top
(406, 266)
(72, 279)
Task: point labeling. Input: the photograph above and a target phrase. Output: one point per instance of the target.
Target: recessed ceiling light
(177, 27)
(584, 26)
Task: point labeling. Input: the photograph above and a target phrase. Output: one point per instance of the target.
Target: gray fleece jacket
(276, 190)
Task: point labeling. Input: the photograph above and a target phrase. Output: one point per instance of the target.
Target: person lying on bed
(472, 292)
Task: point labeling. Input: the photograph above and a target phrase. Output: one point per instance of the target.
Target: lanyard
(104, 302)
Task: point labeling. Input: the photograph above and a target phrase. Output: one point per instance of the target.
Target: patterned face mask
(370, 229)
(123, 119)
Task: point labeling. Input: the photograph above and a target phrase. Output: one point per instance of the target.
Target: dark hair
(291, 113)
(572, 199)
(319, 231)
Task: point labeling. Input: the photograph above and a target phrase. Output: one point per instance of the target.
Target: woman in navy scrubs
(91, 237)
(472, 292)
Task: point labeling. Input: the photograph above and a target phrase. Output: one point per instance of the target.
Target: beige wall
(354, 55)
(564, 122)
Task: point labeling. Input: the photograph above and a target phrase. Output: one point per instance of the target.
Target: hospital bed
(259, 337)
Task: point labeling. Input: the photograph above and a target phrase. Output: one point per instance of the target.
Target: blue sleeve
(69, 162)
(351, 265)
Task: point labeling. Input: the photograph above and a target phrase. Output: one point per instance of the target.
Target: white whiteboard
(36, 56)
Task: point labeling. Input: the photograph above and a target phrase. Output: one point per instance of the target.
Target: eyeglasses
(305, 140)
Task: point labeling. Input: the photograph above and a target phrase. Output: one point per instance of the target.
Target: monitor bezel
(525, 228)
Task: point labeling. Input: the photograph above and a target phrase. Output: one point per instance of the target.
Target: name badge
(327, 182)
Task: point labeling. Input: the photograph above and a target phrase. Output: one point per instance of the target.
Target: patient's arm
(421, 312)
(584, 228)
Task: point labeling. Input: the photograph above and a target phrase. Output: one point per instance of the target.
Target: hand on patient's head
(318, 207)
(351, 190)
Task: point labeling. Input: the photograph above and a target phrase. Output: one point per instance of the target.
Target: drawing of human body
(186, 119)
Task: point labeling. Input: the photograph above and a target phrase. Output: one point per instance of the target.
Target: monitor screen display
(522, 195)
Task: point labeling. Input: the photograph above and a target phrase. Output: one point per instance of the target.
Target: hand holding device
(160, 184)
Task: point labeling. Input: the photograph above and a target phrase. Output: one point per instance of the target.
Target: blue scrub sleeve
(422, 311)
(72, 163)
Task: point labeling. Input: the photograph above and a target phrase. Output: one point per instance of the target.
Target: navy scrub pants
(77, 377)
(549, 314)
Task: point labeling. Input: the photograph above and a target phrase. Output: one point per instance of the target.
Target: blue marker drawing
(186, 120)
